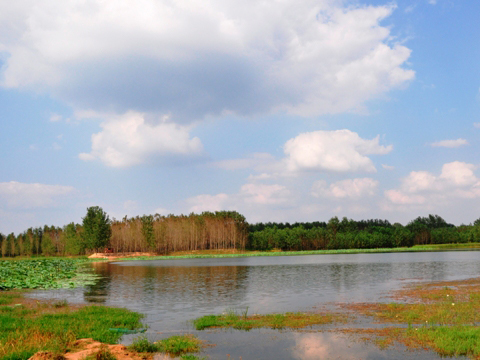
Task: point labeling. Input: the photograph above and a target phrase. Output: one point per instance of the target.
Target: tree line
(227, 230)
(147, 233)
(364, 234)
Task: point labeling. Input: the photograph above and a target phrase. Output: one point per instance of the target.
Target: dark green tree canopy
(96, 228)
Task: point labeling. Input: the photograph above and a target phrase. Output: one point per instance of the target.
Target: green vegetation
(273, 321)
(443, 316)
(43, 273)
(28, 327)
(364, 234)
(228, 230)
(174, 345)
(96, 228)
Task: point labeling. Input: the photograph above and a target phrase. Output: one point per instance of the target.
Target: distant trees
(164, 234)
(96, 229)
(228, 230)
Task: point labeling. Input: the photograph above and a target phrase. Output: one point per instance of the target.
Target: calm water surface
(172, 292)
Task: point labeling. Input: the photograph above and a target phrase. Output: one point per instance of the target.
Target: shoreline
(229, 253)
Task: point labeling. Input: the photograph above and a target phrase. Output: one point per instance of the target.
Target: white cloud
(249, 195)
(55, 118)
(456, 180)
(195, 58)
(129, 140)
(477, 125)
(256, 160)
(410, 8)
(450, 143)
(201, 203)
(336, 151)
(388, 167)
(349, 188)
(432, 2)
(264, 194)
(23, 195)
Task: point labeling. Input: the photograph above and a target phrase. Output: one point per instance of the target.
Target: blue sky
(281, 110)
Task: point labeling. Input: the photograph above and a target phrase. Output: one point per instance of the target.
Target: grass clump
(142, 345)
(179, 344)
(174, 345)
(273, 321)
(27, 329)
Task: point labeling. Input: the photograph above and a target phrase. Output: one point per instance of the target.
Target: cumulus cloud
(264, 194)
(17, 194)
(336, 151)
(477, 125)
(249, 195)
(349, 188)
(450, 143)
(456, 180)
(195, 58)
(388, 167)
(130, 140)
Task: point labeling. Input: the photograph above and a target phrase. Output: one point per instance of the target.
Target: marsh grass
(443, 316)
(32, 326)
(174, 345)
(273, 321)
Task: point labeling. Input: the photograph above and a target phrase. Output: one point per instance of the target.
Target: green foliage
(96, 228)
(48, 248)
(73, 240)
(148, 231)
(42, 273)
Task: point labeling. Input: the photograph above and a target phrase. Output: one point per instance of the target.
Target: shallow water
(172, 292)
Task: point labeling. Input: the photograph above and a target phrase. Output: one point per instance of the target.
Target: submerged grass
(273, 321)
(30, 327)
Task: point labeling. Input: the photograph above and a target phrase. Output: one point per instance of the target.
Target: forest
(227, 230)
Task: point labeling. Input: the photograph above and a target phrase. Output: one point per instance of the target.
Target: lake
(171, 293)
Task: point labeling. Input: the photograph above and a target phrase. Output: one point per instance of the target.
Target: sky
(283, 110)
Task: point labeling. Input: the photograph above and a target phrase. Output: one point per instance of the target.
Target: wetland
(345, 292)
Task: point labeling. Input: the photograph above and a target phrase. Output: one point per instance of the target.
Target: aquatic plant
(44, 273)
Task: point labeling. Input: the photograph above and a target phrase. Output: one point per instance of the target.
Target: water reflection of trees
(179, 286)
(98, 293)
